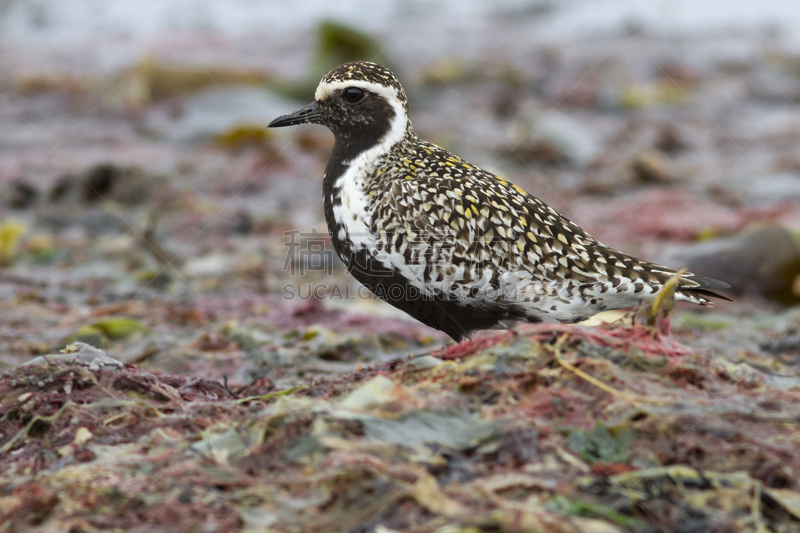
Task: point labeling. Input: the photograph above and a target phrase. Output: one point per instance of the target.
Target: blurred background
(145, 206)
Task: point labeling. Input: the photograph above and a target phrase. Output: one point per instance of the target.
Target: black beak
(308, 115)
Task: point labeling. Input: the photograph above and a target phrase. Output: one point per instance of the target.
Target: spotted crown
(367, 71)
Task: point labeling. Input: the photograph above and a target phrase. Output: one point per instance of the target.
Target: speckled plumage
(453, 245)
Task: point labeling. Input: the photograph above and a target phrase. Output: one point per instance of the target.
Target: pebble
(21, 195)
(764, 262)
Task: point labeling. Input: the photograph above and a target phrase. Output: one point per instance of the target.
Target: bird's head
(362, 103)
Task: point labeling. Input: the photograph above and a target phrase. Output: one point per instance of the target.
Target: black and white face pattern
(363, 105)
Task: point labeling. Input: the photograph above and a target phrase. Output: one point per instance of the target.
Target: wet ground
(147, 211)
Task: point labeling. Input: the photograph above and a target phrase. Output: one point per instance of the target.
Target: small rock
(108, 181)
(765, 262)
(669, 140)
(98, 181)
(652, 167)
(63, 188)
(242, 222)
(21, 195)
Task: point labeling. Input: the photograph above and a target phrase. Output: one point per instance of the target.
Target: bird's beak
(310, 114)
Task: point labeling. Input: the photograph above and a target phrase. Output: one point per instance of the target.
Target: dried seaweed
(500, 436)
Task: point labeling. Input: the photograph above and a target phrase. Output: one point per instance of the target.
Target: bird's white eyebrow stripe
(325, 89)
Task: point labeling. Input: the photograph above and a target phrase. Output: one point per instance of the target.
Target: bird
(456, 247)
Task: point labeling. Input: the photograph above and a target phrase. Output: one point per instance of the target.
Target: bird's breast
(348, 210)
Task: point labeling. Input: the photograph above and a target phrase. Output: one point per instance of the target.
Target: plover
(452, 245)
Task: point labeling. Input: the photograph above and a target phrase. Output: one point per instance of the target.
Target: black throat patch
(356, 129)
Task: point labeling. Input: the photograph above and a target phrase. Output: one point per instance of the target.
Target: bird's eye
(353, 94)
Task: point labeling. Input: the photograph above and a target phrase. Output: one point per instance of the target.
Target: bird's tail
(699, 289)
